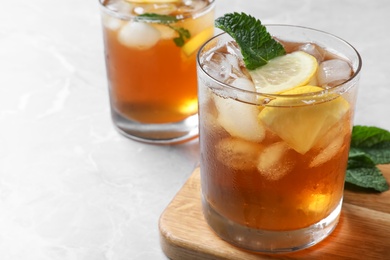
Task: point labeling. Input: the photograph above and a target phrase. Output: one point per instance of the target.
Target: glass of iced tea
(273, 164)
(150, 52)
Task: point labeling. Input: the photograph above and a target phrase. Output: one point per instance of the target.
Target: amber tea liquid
(267, 192)
(152, 81)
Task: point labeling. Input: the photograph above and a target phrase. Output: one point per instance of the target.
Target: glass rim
(179, 17)
(275, 95)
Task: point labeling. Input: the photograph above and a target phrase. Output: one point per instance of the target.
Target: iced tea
(273, 165)
(150, 57)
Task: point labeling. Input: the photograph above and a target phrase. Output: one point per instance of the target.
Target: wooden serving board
(362, 233)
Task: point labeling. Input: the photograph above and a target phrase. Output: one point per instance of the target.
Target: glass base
(170, 133)
(266, 241)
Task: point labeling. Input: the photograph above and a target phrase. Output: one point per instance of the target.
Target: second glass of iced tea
(150, 51)
(273, 165)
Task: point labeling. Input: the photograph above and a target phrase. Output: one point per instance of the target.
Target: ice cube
(313, 50)
(333, 131)
(217, 66)
(118, 6)
(328, 153)
(238, 154)
(138, 35)
(111, 23)
(232, 48)
(245, 84)
(239, 119)
(333, 70)
(233, 60)
(330, 144)
(165, 31)
(236, 67)
(273, 162)
(333, 84)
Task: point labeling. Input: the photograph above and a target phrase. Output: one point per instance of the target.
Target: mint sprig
(167, 20)
(256, 44)
(370, 146)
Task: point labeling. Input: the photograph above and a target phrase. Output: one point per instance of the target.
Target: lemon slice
(192, 45)
(285, 72)
(300, 124)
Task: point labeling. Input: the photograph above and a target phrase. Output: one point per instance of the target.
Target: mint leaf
(373, 141)
(367, 178)
(157, 18)
(370, 146)
(359, 159)
(184, 34)
(256, 44)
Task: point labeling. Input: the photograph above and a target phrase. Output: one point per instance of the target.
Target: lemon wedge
(301, 124)
(285, 72)
(192, 45)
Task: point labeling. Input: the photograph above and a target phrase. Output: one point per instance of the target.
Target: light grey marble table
(71, 187)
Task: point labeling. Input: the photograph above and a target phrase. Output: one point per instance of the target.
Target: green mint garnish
(256, 44)
(370, 146)
(184, 34)
(157, 18)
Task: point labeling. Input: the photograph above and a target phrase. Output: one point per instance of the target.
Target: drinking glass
(150, 54)
(273, 165)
